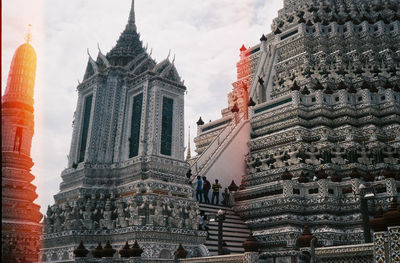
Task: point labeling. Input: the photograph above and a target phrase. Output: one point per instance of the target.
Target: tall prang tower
(126, 176)
(323, 148)
(20, 221)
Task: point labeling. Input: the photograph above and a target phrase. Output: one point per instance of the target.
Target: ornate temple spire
(128, 45)
(20, 221)
(188, 155)
(131, 21)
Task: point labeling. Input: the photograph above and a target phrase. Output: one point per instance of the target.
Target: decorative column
(389, 92)
(379, 237)
(251, 247)
(319, 97)
(295, 94)
(220, 218)
(392, 220)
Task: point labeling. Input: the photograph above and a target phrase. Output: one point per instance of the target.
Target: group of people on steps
(203, 187)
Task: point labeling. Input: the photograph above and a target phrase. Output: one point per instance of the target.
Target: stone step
(228, 220)
(228, 213)
(214, 251)
(228, 238)
(235, 231)
(208, 209)
(234, 250)
(230, 243)
(217, 207)
(243, 235)
(227, 225)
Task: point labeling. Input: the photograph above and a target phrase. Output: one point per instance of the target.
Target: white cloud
(205, 35)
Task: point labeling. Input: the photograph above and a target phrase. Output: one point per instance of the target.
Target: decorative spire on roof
(128, 45)
(188, 155)
(200, 122)
(131, 22)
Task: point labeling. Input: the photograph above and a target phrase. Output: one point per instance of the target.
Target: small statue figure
(264, 163)
(389, 152)
(193, 218)
(107, 222)
(58, 220)
(185, 215)
(121, 220)
(278, 156)
(176, 215)
(364, 159)
(49, 220)
(168, 211)
(250, 160)
(133, 211)
(313, 152)
(159, 218)
(97, 212)
(47, 227)
(258, 163)
(87, 214)
(338, 152)
(293, 159)
(69, 217)
(144, 212)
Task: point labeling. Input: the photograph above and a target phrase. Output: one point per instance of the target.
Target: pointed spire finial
(188, 154)
(169, 53)
(87, 50)
(98, 47)
(28, 36)
(131, 22)
(173, 60)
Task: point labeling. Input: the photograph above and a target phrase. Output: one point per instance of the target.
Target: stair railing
(205, 157)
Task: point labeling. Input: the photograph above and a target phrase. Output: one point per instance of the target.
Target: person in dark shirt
(206, 189)
(215, 187)
(199, 190)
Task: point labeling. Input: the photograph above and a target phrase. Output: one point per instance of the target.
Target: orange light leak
(22, 232)
(243, 84)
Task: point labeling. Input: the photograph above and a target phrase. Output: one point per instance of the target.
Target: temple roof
(130, 54)
(128, 45)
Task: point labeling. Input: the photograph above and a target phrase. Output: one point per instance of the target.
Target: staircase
(214, 149)
(235, 231)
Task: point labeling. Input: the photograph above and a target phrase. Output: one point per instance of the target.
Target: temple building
(321, 98)
(20, 221)
(308, 146)
(126, 177)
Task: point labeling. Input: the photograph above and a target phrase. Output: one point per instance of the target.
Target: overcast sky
(205, 36)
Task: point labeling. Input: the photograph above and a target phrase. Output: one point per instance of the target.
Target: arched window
(87, 107)
(135, 125)
(166, 126)
(18, 139)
